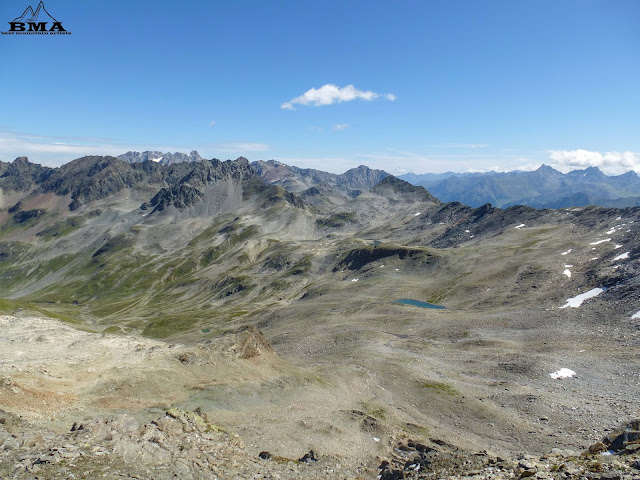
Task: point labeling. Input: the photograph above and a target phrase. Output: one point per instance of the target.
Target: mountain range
(542, 188)
(270, 316)
(159, 157)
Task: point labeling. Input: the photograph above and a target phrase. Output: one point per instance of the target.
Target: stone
(619, 438)
(610, 476)
(530, 472)
(10, 444)
(308, 457)
(35, 441)
(597, 448)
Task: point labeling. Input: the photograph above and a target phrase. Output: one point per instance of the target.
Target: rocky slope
(199, 287)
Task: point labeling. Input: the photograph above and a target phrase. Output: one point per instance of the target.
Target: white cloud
(611, 163)
(212, 123)
(329, 94)
(341, 126)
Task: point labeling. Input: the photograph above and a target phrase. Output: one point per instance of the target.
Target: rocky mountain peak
(21, 161)
(160, 157)
(398, 186)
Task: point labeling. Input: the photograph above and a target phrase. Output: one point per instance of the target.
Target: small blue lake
(418, 303)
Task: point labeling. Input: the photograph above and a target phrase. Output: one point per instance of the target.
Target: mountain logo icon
(36, 22)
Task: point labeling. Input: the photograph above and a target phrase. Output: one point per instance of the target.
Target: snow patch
(600, 241)
(624, 256)
(519, 226)
(355, 279)
(466, 231)
(156, 159)
(562, 373)
(567, 272)
(617, 246)
(576, 301)
(566, 253)
(595, 258)
(416, 214)
(635, 315)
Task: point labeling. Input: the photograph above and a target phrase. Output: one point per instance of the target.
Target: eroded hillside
(199, 286)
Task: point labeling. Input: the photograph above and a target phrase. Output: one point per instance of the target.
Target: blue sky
(426, 86)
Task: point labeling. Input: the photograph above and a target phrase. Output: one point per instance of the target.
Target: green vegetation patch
(359, 257)
(303, 266)
(7, 306)
(9, 251)
(336, 220)
(440, 388)
(209, 233)
(250, 231)
(62, 227)
(169, 325)
(21, 220)
(115, 244)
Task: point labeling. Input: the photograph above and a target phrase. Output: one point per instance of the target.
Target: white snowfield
(520, 226)
(600, 241)
(566, 253)
(567, 272)
(562, 373)
(576, 301)
(624, 256)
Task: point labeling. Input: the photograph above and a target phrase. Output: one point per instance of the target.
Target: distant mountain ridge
(160, 157)
(542, 188)
(295, 179)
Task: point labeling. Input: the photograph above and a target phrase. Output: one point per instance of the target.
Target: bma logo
(39, 22)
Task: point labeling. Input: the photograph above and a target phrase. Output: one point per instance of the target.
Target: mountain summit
(159, 157)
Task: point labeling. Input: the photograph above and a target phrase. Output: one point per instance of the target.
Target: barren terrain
(226, 329)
